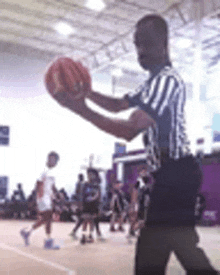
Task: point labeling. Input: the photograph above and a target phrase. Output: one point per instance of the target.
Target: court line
(79, 245)
(35, 258)
(71, 244)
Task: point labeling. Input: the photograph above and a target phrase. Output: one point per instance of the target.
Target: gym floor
(115, 256)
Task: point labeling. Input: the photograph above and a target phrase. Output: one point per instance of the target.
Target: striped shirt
(163, 98)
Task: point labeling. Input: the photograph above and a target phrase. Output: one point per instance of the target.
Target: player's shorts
(116, 210)
(91, 208)
(44, 204)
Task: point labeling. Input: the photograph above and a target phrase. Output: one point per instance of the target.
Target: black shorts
(90, 208)
(116, 210)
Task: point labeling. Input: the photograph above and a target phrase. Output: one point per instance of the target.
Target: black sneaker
(121, 229)
(83, 240)
(112, 229)
(25, 235)
(49, 244)
(90, 239)
(132, 233)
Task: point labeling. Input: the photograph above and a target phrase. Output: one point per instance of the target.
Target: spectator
(32, 205)
(18, 194)
(199, 207)
(18, 202)
(65, 196)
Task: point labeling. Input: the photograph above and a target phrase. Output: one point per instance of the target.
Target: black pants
(155, 245)
(170, 221)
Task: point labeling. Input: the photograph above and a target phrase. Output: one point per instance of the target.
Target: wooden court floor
(113, 257)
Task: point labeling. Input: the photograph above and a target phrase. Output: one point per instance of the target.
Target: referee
(159, 115)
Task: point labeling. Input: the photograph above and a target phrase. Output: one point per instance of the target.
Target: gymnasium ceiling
(104, 38)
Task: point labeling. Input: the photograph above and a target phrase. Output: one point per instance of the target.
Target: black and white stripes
(163, 97)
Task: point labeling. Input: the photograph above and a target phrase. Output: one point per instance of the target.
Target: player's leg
(26, 232)
(121, 221)
(48, 222)
(112, 221)
(39, 222)
(84, 229)
(77, 226)
(84, 217)
(134, 219)
(133, 224)
(96, 223)
(90, 230)
(44, 207)
(49, 242)
(141, 220)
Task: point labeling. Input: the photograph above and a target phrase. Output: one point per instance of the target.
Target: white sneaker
(49, 244)
(25, 235)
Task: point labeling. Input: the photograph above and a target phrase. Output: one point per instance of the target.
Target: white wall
(200, 114)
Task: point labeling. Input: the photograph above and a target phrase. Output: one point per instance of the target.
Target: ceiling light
(183, 43)
(96, 5)
(117, 72)
(64, 28)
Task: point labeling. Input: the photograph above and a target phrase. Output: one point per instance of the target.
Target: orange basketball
(64, 75)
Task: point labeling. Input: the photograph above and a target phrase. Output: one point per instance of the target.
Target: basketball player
(78, 194)
(159, 114)
(45, 189)
(140, 200)
(118, 206)
(91, 203)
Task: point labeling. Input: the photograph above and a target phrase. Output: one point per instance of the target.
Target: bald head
(151, 41)
(154, 26)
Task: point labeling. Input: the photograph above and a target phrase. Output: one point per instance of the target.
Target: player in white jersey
(45, 189)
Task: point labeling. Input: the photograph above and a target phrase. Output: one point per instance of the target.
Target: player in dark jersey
(118, 206)
(91, 196)
(140, 199)
(78, 196)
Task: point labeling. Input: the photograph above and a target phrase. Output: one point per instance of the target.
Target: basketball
(64, 75)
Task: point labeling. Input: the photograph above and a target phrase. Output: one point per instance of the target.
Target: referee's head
(151, 41)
